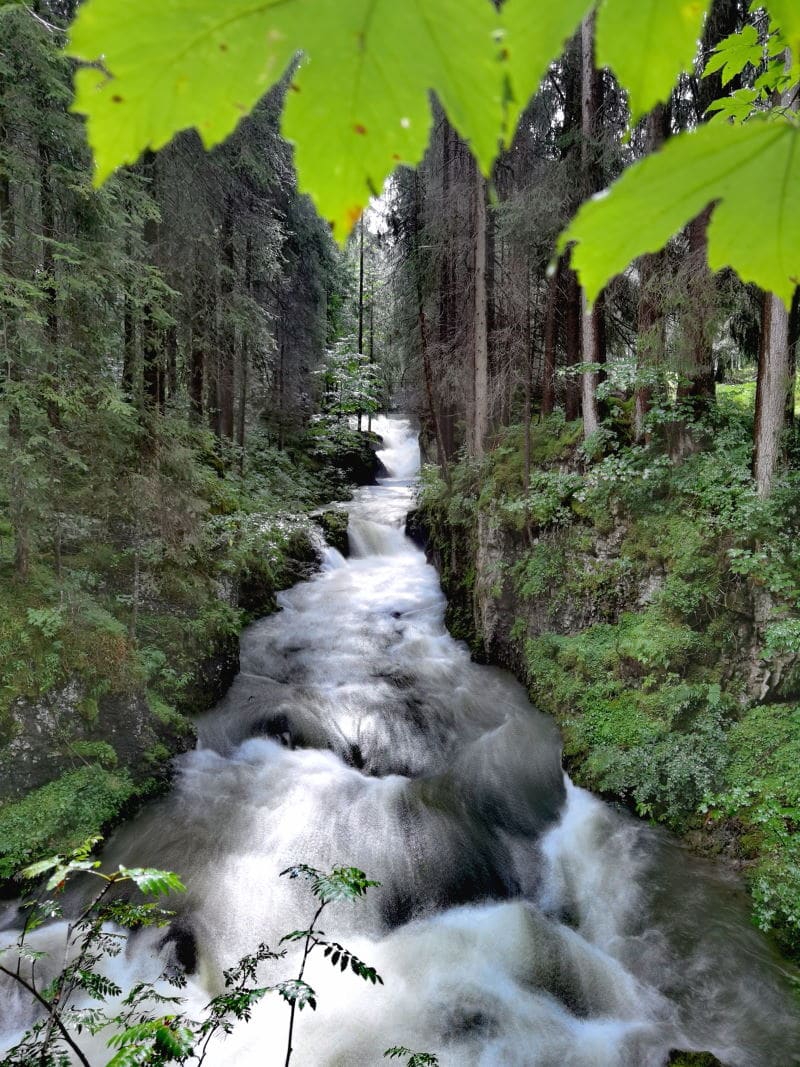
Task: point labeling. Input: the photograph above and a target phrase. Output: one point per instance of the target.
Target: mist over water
(520, 920)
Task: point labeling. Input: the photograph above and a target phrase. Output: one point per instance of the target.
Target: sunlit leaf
(536, 32)
(734, 53)
(153, 882)
(758, 236)
(786, 14)
(358, 106)
(647, 44)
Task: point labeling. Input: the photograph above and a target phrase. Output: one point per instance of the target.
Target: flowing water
(520, 920)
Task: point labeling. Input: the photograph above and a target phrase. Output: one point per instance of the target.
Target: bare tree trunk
(650, 331)
(226, 353)
(152, 364)
(361, 310)
(281, 362)
(590, 333)
(649, 344)
(698, 385)
(771, 392)
(17, 488)
(591, 326)
(527, 414)
(244, 365)
(213, 343)
(423, 338)
(550, 322)
(171, 353)
(794, 341)
(480, 424)
(572, 344)
(446, 287)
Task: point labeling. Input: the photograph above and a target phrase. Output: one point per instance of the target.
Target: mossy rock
(334, 526)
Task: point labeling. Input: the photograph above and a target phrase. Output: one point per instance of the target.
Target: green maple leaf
(362, 105)
(734, 53)
(648, 44)
(536, 32)
(757, 235)
(174, 64)
(358, 105)
(786, 14)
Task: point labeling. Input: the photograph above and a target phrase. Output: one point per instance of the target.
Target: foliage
(211, 67)
(350, 136)
(415, 1059)
(61, 813)
(629, 588)
(139, 1031)
(757, 238)
(352, 383)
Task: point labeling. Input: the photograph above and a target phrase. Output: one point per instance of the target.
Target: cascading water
(520, 921)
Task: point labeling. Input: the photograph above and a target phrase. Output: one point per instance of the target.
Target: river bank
(98, 696)
(649, 608)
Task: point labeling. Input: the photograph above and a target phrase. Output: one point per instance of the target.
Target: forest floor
(651, 607)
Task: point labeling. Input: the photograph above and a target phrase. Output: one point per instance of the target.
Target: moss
(99, 752)
(61, 814)
(89, 709)
(334, 526)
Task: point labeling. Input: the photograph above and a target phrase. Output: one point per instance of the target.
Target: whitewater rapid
(520, 921)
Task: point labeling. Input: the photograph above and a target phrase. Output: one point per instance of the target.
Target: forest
(400, 520)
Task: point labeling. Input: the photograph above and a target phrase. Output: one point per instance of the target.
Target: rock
(356, 457)
(63, 728)
(693, 1059)
(334, 526)
(417, 530)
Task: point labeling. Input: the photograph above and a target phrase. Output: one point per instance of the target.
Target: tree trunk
(446, 291)
(591, 338)
(17, 489)
(650, 328)
(227, 346)
(698, 386)
(360, 296)
(527, 413)
(152, 366)
(550, 324)
(480, 421)
(591, 325)
(572, 345)
(198, 341)
(423, 337)
(794, 341)
(244, 366)
(771, 392)
(171, 351)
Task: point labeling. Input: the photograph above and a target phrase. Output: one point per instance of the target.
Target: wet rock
(184, 945)
(356, 456)
(693, 1059)
(275, 727)
(334, 526)
(417, 529)
(52, 732)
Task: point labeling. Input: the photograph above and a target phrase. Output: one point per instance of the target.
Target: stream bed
(520, 921)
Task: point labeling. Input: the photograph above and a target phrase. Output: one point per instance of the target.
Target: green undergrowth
(149, 608)
(65, 811)
(631, 580)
